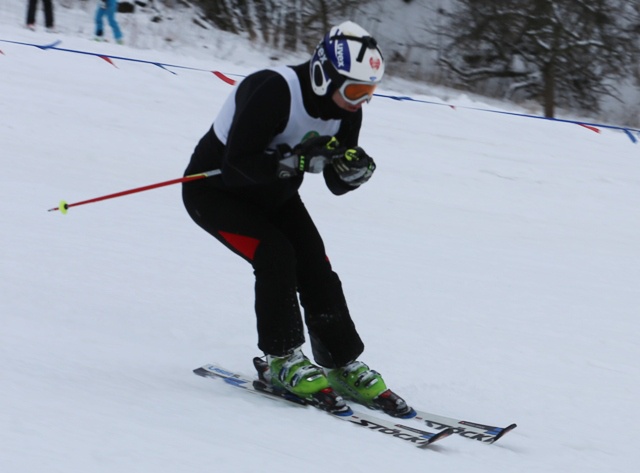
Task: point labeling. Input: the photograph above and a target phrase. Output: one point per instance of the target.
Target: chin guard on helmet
(347, 52)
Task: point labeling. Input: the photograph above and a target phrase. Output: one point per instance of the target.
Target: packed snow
(492, 266)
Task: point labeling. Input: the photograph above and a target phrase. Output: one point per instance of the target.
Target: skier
(277, 125)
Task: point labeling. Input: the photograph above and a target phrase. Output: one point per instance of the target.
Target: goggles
(354, 92)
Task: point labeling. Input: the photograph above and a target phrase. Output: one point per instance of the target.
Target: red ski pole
(63, 206)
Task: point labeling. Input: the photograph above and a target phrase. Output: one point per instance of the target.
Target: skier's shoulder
(265, 81)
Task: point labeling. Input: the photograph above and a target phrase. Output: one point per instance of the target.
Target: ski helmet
(346, 53)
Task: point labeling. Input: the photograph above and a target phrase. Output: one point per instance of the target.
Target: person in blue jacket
(108, 8)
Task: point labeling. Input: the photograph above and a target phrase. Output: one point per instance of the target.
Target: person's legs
(99, 20)
(246, 229)
(334, 339)
(31, 12)
(48, 13)
(112, 9)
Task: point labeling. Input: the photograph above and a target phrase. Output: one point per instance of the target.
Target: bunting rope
(632, 133)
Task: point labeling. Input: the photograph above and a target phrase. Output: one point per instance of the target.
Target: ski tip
(200, 371)
(437, 437)
(503, 432)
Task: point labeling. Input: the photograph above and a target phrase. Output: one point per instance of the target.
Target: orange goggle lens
(357, 91)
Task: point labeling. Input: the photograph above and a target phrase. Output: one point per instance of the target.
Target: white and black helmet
(346, 53)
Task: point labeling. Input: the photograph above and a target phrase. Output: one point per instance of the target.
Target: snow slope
(492, 266)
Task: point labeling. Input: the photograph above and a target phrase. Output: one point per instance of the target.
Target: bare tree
(286, 24)
(558, 52)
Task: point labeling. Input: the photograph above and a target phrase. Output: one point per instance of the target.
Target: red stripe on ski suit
(243, 244)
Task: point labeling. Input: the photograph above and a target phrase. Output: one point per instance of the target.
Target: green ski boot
(357, 382)
(296, 374)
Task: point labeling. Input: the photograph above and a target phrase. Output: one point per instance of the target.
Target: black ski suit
(262, 218)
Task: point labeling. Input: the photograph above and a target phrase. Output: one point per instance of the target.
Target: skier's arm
(262, 110)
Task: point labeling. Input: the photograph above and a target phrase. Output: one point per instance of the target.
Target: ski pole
(64, 206)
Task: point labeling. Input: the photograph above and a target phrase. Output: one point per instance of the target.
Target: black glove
(312, 155)
(355, 167)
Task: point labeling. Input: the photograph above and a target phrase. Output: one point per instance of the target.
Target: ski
(415, 436)
(470, 430)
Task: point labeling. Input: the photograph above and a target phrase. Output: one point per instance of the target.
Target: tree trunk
(549, 89)
(291, 27)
